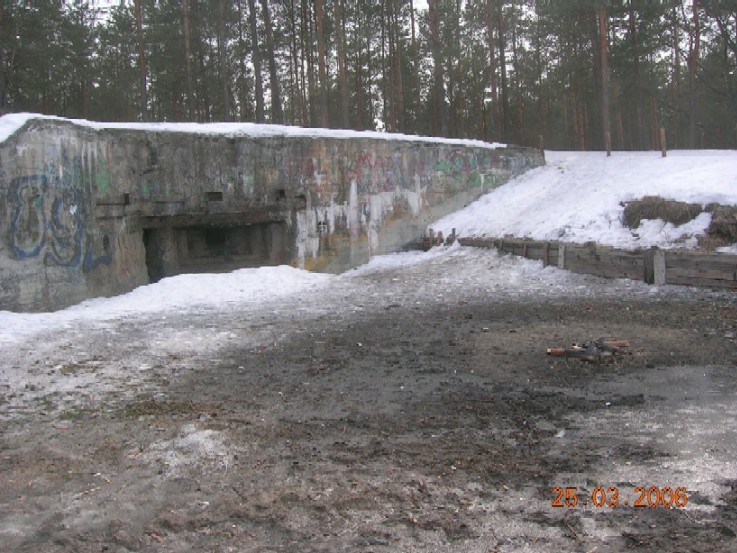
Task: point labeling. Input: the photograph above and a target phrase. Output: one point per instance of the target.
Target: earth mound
(722, 230)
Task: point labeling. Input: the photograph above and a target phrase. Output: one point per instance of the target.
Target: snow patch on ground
(241, 288)
(192, 446)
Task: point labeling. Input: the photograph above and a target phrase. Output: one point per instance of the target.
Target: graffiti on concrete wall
(371, 173)
(358, 195)
(48, 221)
(315, 174)
(376, 173)
(467, 167)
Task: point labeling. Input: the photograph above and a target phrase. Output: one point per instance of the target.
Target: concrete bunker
(89, 210)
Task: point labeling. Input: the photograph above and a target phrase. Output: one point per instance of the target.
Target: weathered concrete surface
(98, 211)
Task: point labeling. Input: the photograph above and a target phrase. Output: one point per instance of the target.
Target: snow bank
(578, 197)
(242, 288)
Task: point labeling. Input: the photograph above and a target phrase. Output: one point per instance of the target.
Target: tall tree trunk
(490, 26)
(392, 72)
(188, 59)
(294, 91)
(342, 71)
(7, 66)
(655, 123)
(579, 119)
(693, 59)
(520, 134)
(223, 62)
(454, 120)
(566, 122)
(307, 42)
(142, 71)
(397, 80)
(676, 82)
(385, 95)
(256, 59)
(246, 107)
(582, 126)
(542, 87)
(3, 82)
(615, 142)
(638, 138)
(414, 79)
(360, 95)
(305, 83)
(604, 47)
(277, 115)
(363, 77)
(369, 82)
(438, 94)
(206, 103)
(83, 66)
(7, 63)
(322, 64)
(503, 65)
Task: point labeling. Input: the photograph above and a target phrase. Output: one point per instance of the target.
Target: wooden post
(541, 145)
(608, 144)
(663, 148)
(648, 265)
(659, 275)
(561, 256)
(546, 260)
(654, 259)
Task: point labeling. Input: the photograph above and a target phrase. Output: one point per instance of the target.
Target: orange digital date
(610, 497)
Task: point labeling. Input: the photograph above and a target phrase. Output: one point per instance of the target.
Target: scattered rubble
(598, 351)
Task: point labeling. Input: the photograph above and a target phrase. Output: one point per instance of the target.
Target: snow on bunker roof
(11, 123)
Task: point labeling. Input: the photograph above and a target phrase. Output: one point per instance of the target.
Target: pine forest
(569, 74)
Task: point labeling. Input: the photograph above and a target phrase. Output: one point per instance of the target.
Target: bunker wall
(86, 212)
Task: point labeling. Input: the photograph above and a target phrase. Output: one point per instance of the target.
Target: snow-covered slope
(578, 197)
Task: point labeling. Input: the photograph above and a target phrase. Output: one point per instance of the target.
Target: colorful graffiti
(315, 174)
(102, 178)
(154, 189)
(468, 168)
(28, 224)
(374, 173)
(49, 220)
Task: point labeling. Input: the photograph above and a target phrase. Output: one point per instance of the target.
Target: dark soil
(401, 429)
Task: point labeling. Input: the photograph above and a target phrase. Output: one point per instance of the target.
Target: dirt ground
(400, 410)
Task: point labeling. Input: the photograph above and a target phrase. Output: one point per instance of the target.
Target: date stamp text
(640, 496)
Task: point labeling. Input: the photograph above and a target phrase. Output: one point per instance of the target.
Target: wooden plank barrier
(653, 265)
(605, 262)
(699, 269)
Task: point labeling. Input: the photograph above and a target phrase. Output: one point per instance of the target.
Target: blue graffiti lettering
(28, 225)
(49, 219)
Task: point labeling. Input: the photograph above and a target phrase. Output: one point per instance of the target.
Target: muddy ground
(398, 410)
